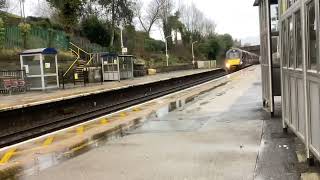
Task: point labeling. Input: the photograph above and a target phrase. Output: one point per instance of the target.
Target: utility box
(94, 74)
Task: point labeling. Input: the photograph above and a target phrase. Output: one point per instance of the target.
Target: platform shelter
(41, 67)
(117, 67)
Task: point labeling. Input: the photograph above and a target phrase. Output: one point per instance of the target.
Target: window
(284, 43)
(290, 56)
(298, 37)
(234, 54)
(312, 36)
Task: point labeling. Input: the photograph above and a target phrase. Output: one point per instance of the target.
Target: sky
(236, 17)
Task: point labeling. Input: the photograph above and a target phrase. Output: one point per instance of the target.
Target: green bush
(95, 30)
(10, 19)
(152, 45)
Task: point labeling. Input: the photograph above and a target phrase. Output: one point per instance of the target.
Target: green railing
(40, 38)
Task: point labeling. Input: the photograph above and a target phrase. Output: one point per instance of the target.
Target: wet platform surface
(216, 137)
(39, 97)
(221, 134)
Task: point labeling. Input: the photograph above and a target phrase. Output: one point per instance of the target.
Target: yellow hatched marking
(104, 121)
(136, 109)
(80, 130)
(48, 141)
(123, 114)
(7, 156)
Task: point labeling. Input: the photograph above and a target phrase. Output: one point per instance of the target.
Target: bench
(13, 85)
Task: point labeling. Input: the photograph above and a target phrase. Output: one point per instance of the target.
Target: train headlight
(228, 65)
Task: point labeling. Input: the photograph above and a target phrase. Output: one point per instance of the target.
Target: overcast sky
(236, 17)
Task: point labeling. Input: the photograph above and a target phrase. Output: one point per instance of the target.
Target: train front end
(233, 60)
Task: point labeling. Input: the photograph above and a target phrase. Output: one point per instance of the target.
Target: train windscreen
(233, 54)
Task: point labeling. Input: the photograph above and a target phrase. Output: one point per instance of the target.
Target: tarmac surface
(221, 134)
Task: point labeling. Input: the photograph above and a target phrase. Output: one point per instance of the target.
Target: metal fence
(36, 38)
(39, 38)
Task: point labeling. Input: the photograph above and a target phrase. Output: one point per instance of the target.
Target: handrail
(74, 62)
(91, 58)
(80, 48)
(77, 52)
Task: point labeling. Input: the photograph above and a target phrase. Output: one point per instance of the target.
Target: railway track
(23, 124)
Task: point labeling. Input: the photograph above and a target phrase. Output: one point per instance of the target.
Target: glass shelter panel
(32, 65)
(284, 43)
(298, 39)
(312, 36)
(291, 44)
(50, 81)
(49, 64)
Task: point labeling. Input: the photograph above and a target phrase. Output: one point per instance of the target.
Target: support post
(42, 72)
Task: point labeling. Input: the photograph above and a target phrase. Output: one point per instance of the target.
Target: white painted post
(305, 82)
(21, 65)
(42, 72)
(193, 61)
(167, 56)
(57, 70)
(119, 73)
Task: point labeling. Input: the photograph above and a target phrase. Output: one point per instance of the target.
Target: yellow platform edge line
(104, 121)
(80, 130)
(123, 114)
(136, 109)
(48, 141)
(7, 156)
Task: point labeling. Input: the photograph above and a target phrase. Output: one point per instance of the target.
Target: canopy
(44, 51)
(257, 2)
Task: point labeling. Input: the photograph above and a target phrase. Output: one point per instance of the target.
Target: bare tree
(151, 15)
(196, 22)
(3, 4)
(166, 12)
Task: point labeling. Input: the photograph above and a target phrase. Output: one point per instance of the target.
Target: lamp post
(121, 38)
(167, 55)
(193, 62)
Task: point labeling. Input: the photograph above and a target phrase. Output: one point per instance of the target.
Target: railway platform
(217, 130)
(42, 97)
